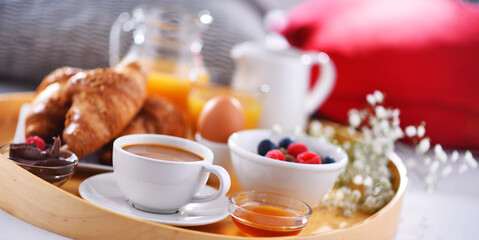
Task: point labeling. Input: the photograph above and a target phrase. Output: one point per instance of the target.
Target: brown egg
(220, 117)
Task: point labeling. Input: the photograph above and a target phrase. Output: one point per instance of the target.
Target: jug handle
(324, 84)
(123, 23)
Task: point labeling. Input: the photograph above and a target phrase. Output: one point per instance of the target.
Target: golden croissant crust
(50, 104)
(159, 116)
(99, 104)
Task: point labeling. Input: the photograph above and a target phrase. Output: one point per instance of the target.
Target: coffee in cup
(162, 152)
(161, 174)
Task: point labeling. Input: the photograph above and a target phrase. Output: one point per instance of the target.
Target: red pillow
(424, 55)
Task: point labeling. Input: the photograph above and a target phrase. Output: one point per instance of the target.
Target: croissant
(104, 101)
(50, 104)
(99, 104)
(159, 116)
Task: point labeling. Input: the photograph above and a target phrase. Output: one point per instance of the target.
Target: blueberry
(265, 146)
(328, 159)
(285, 143)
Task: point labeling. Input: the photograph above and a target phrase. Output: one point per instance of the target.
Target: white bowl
(306, 182)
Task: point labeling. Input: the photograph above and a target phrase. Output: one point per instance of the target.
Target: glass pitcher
(167, 43)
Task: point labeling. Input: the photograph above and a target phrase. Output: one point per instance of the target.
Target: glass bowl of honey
(265, 214)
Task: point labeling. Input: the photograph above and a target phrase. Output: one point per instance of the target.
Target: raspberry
(265, 146)
(284, 143)
(296, 148)
(328, 159)
(308, 158)
(275, 154)
(37, 141)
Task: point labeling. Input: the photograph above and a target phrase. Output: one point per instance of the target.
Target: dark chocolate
(29, 153)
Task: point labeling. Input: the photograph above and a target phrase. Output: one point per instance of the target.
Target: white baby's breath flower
(346, 145)
(396, 113)
(434, 166)
(380, 112)
(377, 148)
(356, 195)
(462, 168)
(315, 128)
(421, 130)
(354, 118)
(440, 154)
(423, 146)
(346, 190)
(371, 99)
(359, 164)
(368, 165)
(328, 131)
(385, 182)
(367, 134)
(369, 199)
(454, 156)
(384, 126)
(358, 180)
(383, 170)
(351, 131)
(426, 161)
(397, 133)
(469, 159)
(368, 181)
(396, 122)
(373, 122)
(446, 171)
(339, 194)
(410, 131)
(378, 96)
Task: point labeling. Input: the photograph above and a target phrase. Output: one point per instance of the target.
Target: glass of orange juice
(167, 42)
(200, 94)
(173, 80)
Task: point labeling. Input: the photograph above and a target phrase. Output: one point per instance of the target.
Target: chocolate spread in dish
(29, 153)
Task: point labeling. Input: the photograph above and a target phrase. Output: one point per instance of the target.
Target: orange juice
(173, 80)
(169, 86)
(200, 95)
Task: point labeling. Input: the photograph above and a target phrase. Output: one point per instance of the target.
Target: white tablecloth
(449, 212)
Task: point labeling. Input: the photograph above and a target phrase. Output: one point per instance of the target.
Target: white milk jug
(282, 76)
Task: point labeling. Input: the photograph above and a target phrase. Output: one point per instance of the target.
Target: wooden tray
(62, 211)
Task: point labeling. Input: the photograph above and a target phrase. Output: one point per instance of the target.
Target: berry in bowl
(299, 166)
(264, 214)
(291, 151)
(52, 164)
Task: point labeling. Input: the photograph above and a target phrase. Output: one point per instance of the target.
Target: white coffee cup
(163, 186)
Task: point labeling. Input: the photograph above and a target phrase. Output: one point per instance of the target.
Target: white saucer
(102, 190)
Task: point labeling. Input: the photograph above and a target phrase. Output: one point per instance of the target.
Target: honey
(266, 221)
